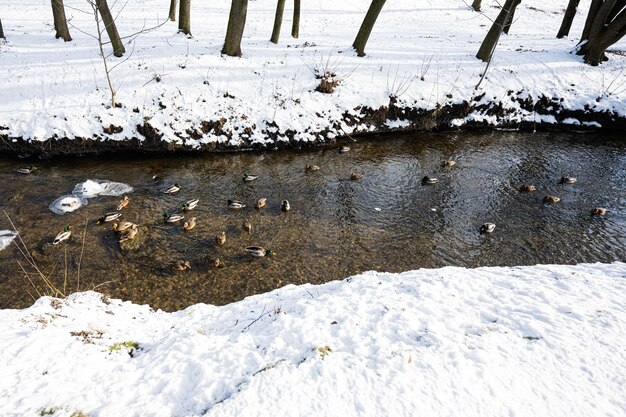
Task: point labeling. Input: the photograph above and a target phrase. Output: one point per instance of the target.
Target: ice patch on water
(6, 237)
(95, 188)
(67, 204)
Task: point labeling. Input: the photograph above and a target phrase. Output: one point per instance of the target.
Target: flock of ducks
(129, 230)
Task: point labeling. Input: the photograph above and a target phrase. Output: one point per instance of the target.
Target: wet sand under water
(386, 221)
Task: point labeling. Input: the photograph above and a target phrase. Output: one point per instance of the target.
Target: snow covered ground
(52, 89)
(521, 341)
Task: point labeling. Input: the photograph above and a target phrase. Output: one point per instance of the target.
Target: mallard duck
(258, 251)
(311, 168)
(344, 149)
(598, 211)
(527, 188)
(551, 199)
(172, 218)
(216, 262)
(191, 204)
(130, 234)
(429, 180)
(173, 189)
(260, 203)
(448, 164)
(27, 170)
(123, 202)
(190, 224)
(64, 235)
(109, 217)
(247, 226)
(122, 227)
(487, 228)
(355, 176)
(235, 205)
(181, 265)
(567, 180)
(249, 177)
(285, 206)
(220, 239)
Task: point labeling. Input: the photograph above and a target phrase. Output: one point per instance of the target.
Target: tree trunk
(109, 24)
(1, 31)
(236, 25)
(509, 21)
(278, 21)
(60, 22)
(173, 10)
(491, 40)
(476, 5)
(184, 17)
(568, 18)
(605, 25)
(295, 26)
(366, 27)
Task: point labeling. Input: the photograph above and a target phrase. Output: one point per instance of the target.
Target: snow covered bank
(182, 94)
(523, 341)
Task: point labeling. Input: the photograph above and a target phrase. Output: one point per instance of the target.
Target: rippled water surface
(387, 221)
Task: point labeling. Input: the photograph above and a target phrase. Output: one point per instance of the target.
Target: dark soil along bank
(386, 221)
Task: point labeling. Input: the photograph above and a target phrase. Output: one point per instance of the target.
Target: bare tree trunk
(366, 27)
(172, 10)
(295, 26)
(491, 40)
(278, 21)
(109, 24)
(236, 25)
(60, 22)
(608, 26)
(509, 21)
(1, 31)
(593, 10)
(568, 18)
(476, 5)
(184, 17)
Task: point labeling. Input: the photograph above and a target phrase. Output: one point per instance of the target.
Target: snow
(6, 237)
(51, 89)
(523, 341)
(88, 189)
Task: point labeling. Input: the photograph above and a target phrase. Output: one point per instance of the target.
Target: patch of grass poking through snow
(128, 346)
(48, 411)
(323, 351)
(78, 414)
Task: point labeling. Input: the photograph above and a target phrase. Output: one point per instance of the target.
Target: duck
(285, 206)
(123, 202)
(567, 180)
(355, 176)
(181, 265)
(429, 180)
(311, 168)
(235, 205)
(64, 235)
(527, 188)
(448, 164)
(249, 177)
(27, 170)
(109, 217)
(260, 203)
(247, 226)
(551, 199)
(216, 262)
(190, 224)
(259, 252)
(191, 204)
(173, 189)
(487, 228)
(172, 218)
(344, 149)
(130, 234)
(220, 239)
(598, 211)
(123, 226)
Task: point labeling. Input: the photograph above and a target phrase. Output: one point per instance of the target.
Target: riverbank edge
(525, 116)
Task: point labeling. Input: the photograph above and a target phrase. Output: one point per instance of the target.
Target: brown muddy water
(386, 221)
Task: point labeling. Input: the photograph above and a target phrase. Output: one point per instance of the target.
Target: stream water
(386, 221)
